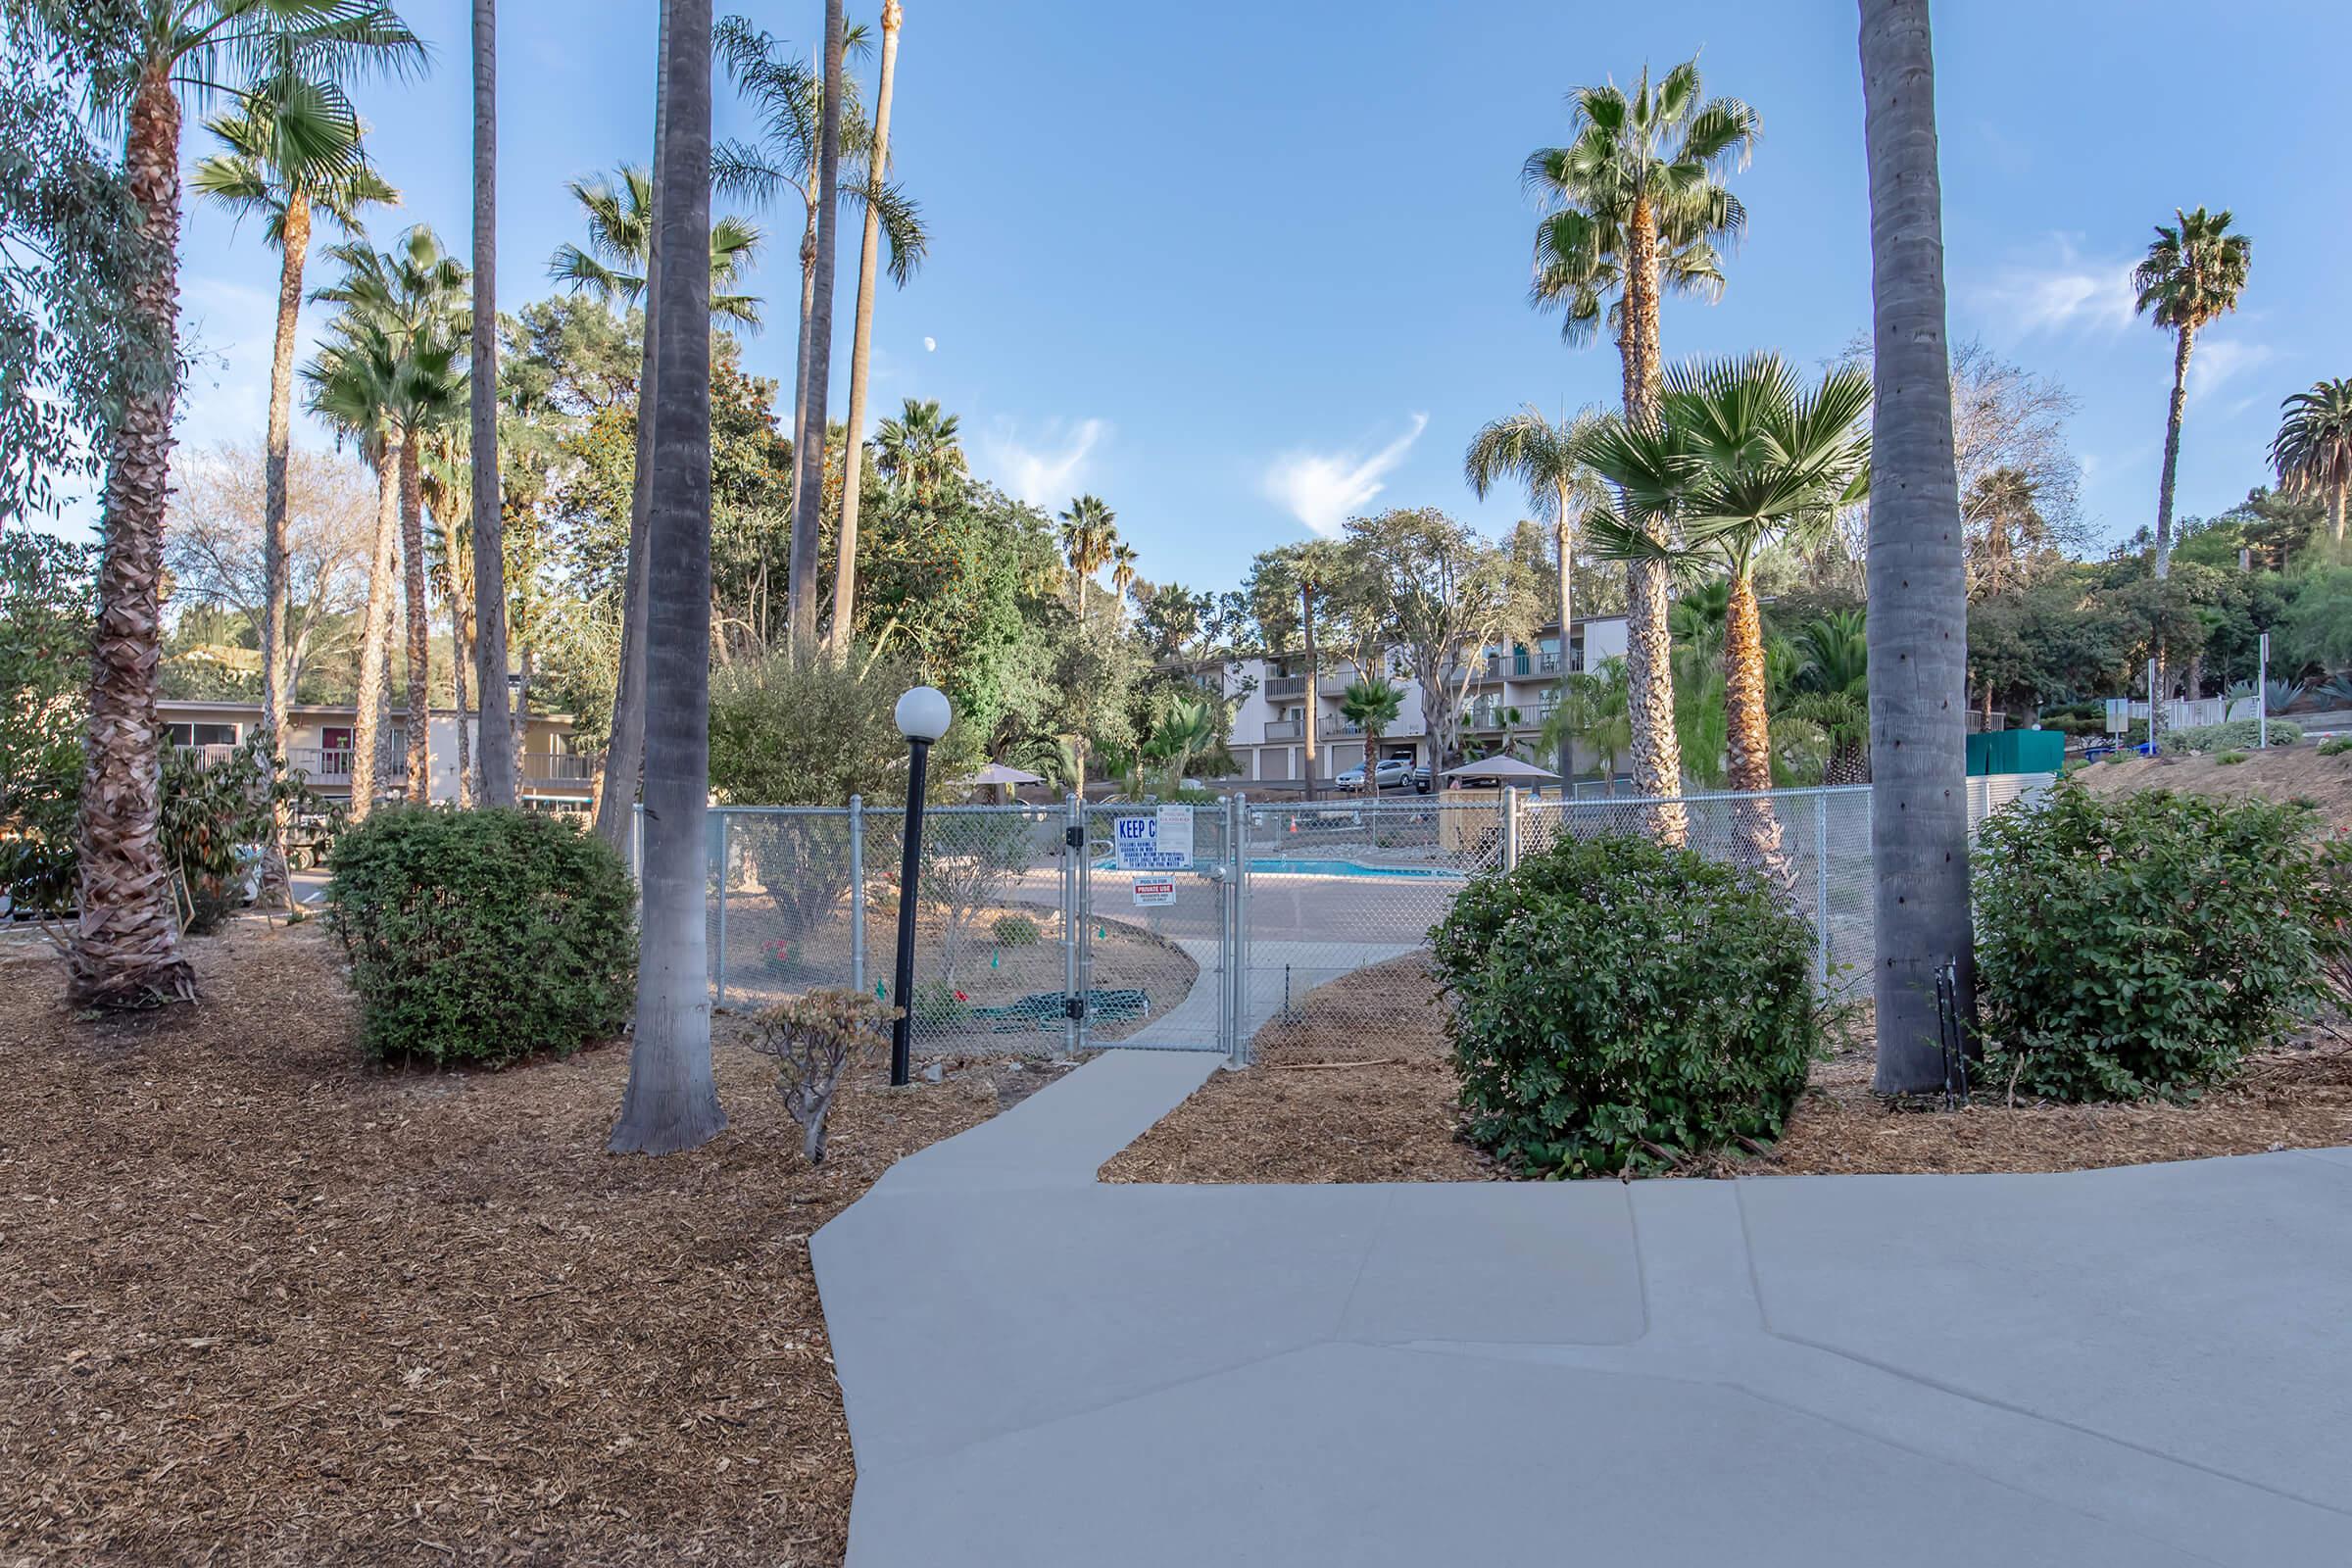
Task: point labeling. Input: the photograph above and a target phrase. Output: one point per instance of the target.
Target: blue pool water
(1290, 867)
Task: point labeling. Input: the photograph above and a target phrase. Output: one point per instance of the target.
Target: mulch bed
(261, 1304)
(1394, 1118)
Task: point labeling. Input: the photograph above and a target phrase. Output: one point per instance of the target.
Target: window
(200, 734)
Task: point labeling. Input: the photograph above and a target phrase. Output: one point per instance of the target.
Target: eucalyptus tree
(1747, 457)
(2192, 276)
(672, 1102)
(1917, 626)
(133, 59)
(2312, 449)
(489, 522)
(1635, 202)
(611, 267)
(1561, 487)
(287, 155)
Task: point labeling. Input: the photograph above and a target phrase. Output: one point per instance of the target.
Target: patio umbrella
(997, 773)
(1507, 769)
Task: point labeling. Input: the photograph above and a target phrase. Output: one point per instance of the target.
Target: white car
(1394, 773)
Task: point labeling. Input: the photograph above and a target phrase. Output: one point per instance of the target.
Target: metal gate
(1158, 918)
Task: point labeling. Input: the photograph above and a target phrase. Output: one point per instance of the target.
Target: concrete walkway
(2145, 1367)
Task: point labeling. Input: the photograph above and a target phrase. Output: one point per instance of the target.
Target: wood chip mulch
(1394, 1118)
(261, 1304)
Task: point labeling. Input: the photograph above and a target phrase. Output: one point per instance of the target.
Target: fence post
(1073, 920)
(1241, 931)
(1821, 882)
(637, 842)
(723, 822)
(857, 894)
(1510, 828)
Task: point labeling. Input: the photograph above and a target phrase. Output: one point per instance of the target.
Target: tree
(2190, 277)
(1918, 625)
(611, 269)
(354, 387)
(1090, 535)
(920, 451)
(131, 59)
(2312, 449)
(1592, 709)
(1371, 703)
(1636, 200)
(1561, 489)
(672, 1102)
(489, 534)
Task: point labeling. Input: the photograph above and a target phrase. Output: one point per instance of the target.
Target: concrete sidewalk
(2145, 1366)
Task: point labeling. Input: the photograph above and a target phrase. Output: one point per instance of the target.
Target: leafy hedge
(2142, 944)
(1619, 1004)
(482, 936)
(2238, 735)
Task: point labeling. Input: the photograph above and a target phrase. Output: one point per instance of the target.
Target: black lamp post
(923, 716)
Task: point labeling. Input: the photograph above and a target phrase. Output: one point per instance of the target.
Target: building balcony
(332, 766)
(559, 768)
(1285, 688)
(1287, 729)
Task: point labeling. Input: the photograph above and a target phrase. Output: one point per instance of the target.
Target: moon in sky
(930, 345)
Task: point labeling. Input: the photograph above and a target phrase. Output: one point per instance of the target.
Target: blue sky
(1242, 269)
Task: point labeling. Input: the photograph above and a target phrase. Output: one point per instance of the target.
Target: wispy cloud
(2218, 360)
(1324, 489)
(1047, 470)
(2062, 291)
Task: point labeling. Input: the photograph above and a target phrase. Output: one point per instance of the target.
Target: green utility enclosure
(2017, 750)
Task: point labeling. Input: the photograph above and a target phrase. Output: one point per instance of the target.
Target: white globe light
(923, 713)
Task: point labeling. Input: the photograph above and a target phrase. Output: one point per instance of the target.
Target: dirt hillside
(2282, 773)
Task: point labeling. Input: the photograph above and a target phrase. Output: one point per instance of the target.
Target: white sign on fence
(1154, 895)
(1161, 842)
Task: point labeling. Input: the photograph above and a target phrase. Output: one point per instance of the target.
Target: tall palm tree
(135, 58)
(1321, 566)
(920, 451)
(413, 295)
(1122, 577)
(2312, 449)
(1635, 201)
(853, 479)
(672, 1102)
(2192, 276)
(620, 240)
(354, 387)
(1372, 703)
(489, 529)
(1747, 456)
(446, 496)
(1089, 535)
(1918, 627)
(1546, 457)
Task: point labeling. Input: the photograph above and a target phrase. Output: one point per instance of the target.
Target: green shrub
(2230, 759)
(1620, 1005)
(2239, 734)
(1015, 931)
(2142, 944)
(2336, 746)
(484, 936)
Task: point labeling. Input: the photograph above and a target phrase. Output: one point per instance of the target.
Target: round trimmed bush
(1015, 931)
(1618, 1004)
(2142, 944)
(481, 937)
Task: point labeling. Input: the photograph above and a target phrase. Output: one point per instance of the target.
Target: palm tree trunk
(1560, 541)
(1918, 625)
(845, 569)
(277, 672)
(489, 533)
(672, 1101)
(809, 459)
(1748, 743)
(456, 680)
(616, 793)
(1307, 617)
(2335, 511)
(2184, 346)
(1657, 752)
(125, 950)
(419, 648)
(375, 635)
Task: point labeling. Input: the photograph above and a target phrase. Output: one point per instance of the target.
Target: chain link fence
(1038, 932)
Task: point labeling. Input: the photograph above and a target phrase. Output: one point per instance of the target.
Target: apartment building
(1511, 691)
(319, 740)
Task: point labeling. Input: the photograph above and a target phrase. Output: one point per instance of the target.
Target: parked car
(1395, 773)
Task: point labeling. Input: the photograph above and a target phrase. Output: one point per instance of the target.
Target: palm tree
(134, 57)
(489, 528)
(287, 155)
(1560, 487)
(1089, 536)
(1321, 566)
(2190, 277)
(919, 450)
(672, 1102)
(1833, 691)
(444, 483)
(1592, 709)
(1372, 703)
(852, 480)
(1635, 201)
(2313, 450)
(412, 295)
(1917, 574)
(1747, 457)
(1122, 577)
(353, 386)
(620, 243)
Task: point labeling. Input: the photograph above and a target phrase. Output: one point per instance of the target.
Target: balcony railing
(1285, 688)
(206, 756)
(1287, 729)
(332, 764)
(558, 769)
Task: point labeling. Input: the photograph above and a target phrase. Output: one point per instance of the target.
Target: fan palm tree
(1321, 566)
(447, 498)
(1371, 702)
(2192, 276)
(1122, 577)
(135, 58)
(920, 451)
(1635, 202)
(672, 1102)
(489, 520)
(611, 269)
(1747, 457)
(1089, 536)
(1592, 709)
(2312, 449)
(1918, 574)
(1560, 487)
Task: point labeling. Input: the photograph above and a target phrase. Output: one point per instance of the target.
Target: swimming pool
(1291, 868)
